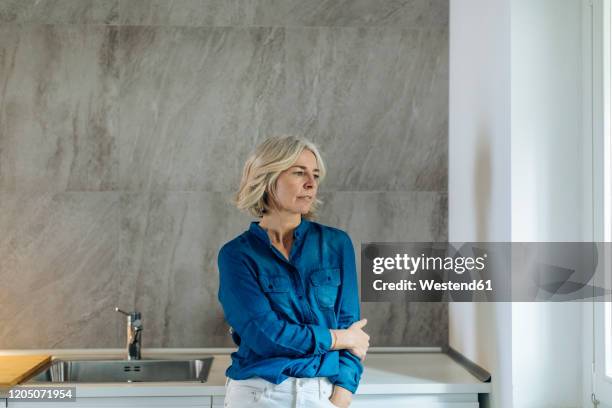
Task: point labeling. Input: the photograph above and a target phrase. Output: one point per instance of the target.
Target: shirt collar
(298, 232)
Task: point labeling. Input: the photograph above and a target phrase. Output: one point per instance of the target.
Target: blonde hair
(262, 168)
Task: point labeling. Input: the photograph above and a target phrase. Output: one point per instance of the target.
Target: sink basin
(126, 371)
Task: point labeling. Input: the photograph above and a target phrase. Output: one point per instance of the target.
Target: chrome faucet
(134, 333)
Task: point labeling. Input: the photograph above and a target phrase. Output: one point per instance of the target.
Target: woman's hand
(341, 397)
(353, 339)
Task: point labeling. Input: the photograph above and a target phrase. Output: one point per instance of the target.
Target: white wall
(479, 171)
(517, 171)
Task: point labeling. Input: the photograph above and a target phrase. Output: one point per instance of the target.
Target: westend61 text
(429, 285)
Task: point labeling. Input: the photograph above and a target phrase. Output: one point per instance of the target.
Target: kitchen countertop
(401, 370)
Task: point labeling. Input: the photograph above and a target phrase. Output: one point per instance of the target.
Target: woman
(288, 288)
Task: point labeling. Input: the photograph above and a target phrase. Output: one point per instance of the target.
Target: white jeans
(291, 393)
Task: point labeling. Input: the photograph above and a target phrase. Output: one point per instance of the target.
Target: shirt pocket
(277, 289)
(275, 283)
(325, 283)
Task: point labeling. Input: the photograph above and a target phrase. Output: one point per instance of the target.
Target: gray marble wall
(124, 125)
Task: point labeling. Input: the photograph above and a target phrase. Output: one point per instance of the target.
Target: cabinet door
(124, 402)
(217, 401)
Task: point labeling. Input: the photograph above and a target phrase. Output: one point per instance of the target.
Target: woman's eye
(301, 173)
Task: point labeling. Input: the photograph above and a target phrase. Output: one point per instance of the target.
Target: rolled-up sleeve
(351, 368)
(248, 311)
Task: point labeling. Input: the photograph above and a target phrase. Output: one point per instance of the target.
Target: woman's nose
(310, 181)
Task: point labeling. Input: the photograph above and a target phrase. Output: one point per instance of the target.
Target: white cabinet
(359, 401)
(123, 402)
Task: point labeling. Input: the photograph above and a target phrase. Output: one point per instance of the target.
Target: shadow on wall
(482, 185)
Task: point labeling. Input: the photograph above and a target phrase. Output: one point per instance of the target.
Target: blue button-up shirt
(281, 310)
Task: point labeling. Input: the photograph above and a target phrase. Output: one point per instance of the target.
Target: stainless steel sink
(89, 371)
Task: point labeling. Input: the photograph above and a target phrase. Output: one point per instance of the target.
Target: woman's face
(296, 187)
